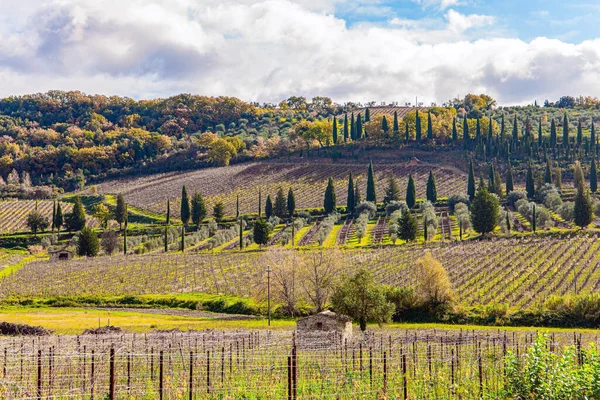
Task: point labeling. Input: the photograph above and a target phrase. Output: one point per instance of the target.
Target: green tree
(168, 216)
(418, 126)
(268, 207)
(357, 197)
(345, 127)
(484, 211)
(261, 232)
(291, 203)
(411, 192)
(280, 206)
(579, 133)
(121, 211)
(548, 172)
(76, 219)
(593, 140)
(329, 202)
(491, 179)
(36, 221)
(219, 211)
(396, 126)
(182, 243)
(552, 133)
(431, 188)
(371, 194)
(578, 177)
(534, 219)
(335, 131)
(454, 130)
(88, 244)
(53, 215)
(58, 218)
(384, 125)
(529, 183)
(185, 206)
(565, 129)
(367, 115)
(407, 226)
(593, 176)
(392, 192)
(360, 298)
(583, 208)
(350, 203)
(471, 181)
(466, 136)
(102, 214)
(198, 209)
(510, 186)
(429, 126)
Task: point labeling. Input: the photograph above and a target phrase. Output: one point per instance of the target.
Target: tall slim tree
(515, 132)
(579, 133)
(53, 215)
(198, 209)
(335, 131)
(406, 133)
(471, 181)
(371, 194)
(185, 206)
(548, 172)
(359, 127)
(396, 126)
(540, 136)
(529, 182)
(329, 201)
(593, 140)
(466, 136)
(510, 185)
(291, 203)
(552, 133)
(593, 176)
(259, 202)
(411, 192)
(168, 216)
(352, 127)
(384, 125)
(280, 206)
(76, 219)
(565, 129)
(407, 226)
(502, 128)
(418, 127)
(58, 218)
(367, 115)
(583, 208)
(454, 130)
(357, 197)
(346, 133)
(120, 211)
(268, 207)
(237, 206)
(429, 126)
(350, 198)
(478, 131)
(431, 188)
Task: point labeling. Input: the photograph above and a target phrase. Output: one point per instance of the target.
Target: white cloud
(458, 22)
(267, 50)
(439, 4)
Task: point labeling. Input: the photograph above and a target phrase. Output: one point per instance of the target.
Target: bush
(394, 206)
(457, 199)
(434, 288)
(88, 244)
(515, 196)
(366, 207)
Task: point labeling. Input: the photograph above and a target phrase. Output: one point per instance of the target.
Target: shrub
(515, 196)
(456, 199)
(366, 207)
(394, 206)
(434, 288)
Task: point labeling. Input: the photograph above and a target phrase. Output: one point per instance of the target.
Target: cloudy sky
(267, 50)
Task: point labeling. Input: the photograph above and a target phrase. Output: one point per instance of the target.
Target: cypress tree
(367, 115)
(411, 192)
(578, 177)
(529, 183)
(88, 244)
(491, 179)
(466, 136)
(406, 134)
(53, 215)
(329, 202)
(583, 208)
(431, 189)
(346, 127)
(359, 127)
(182, 248)
(552, 133)
(120, 214)
(76, 220)
(425, 229)
(429, 126)
(261, 232)
(392, 192)
(533, 219)
(335, 131)
(548, 172)
(396, 126)
(268, 207)
(185, 206)
(515, 132)
(407, 226)
(593, 177)
(291, 203)
(471, 181)
(484, 211)
(58, 219)
(384, 125)
(280, 206)
(565, 130)
(558, 178)
(510, 186)
(593, 140)
(357, 198)
(350, 199)
(508, 227)
(371, 195)
(454, 130)
(478, 131)
(579, 133)
(352, 127)
(540, 134)
(198, 209)
(502, 129)
(490, 131)
(237, 206)
(418, 127)
(168, 216)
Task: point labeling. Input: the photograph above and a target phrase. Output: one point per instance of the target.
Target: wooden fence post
(111, 382)
(39, 375)
(92, 369)
(160, 375)
(191, 375)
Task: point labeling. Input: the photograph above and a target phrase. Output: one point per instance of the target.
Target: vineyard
(386, 110)
(13, 213)
(518, 272)
(423, 364)
(308, 180)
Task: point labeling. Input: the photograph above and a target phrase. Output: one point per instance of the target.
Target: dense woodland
(65, 139)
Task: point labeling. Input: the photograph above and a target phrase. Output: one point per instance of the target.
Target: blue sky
(569, 21)
(269, 50)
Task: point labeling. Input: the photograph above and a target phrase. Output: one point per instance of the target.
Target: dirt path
(181, 313)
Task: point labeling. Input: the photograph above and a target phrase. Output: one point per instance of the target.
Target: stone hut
(325, 324)
(61, 253)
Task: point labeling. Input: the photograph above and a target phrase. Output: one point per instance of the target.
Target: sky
(269, 50)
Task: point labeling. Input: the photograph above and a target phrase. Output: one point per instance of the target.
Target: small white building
(326, 323)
